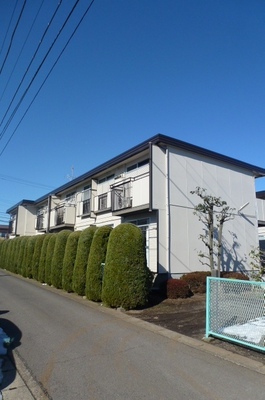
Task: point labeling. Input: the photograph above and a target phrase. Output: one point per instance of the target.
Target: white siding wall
(26, 220)
(261, 209)
(236, 187)
(159, 199)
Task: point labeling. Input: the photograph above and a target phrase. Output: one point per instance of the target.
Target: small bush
(27, 259)
(196, 281)
(21, 253)
(69, 260)
(177, 288)
(36, 255)
(57, 259)
(234, 275)
(127, 279)
(83, 249)
(49, 256)
(97, 255)
(43, 254)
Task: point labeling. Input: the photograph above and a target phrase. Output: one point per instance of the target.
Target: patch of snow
(252, 331)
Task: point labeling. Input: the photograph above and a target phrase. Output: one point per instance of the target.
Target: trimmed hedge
(57, 259)
(69, 260)
(127, 279)
(234, 275)
(43, 254)
(49, 257)
(177, 288)
(36, 255)
(26, 268)
(83, 249)
(97, 256)
(196, 281)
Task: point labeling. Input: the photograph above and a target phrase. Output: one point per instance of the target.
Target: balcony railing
(40, 222)
(59, 215)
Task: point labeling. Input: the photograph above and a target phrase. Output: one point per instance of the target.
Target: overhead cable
(47, 76)
(22, 48)
(12, 36)
(4, 40)
(37, 71)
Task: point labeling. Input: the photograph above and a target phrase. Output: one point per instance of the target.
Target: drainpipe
(49, 213)
(150, 177)
(16, 221)
(168, 212)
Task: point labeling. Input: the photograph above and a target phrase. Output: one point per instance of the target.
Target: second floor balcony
(63, 216)
(40, 222)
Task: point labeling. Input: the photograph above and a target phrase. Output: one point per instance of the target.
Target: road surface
(81, 351)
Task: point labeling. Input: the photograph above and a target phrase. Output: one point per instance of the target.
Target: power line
(37, 71)
(12, 36)
(8, 27)
(23, 181)
(31, 61)
(22, 48)
(47, 76)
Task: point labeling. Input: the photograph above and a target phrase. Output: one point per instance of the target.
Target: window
(138, 165)
(108, 178)
(86, 196)
(70, 197)
(103, 202)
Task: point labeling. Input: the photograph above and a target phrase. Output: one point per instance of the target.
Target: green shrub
(57, 259)
(69, 260)
(36, 255)
(27, 259)
(16, 248)
(49, 257)
(127, 279)
(83, 249)
(96, 258)
(2, 249)
(8, 263)
(43, 254)
(4, 253)
(21, 254)
(177, 288)
(196, 281)
(234, 275)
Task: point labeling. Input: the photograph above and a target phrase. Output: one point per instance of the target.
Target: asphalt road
(78, 350)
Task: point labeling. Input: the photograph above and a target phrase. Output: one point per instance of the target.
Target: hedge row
(102, 263)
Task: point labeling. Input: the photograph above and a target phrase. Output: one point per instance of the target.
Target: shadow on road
(8, 366)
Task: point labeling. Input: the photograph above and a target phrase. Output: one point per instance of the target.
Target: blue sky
(190, 69)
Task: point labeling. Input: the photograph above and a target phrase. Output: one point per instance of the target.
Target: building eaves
(158, 139)
(20, 203)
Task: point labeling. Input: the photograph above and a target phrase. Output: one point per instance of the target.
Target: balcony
(40, 222)
(63, 217)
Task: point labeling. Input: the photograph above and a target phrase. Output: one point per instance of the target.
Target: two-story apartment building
(149, 185)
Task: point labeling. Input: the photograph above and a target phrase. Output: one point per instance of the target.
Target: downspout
(49, 213)
(150, 177)
(168, 213)
(16, 222)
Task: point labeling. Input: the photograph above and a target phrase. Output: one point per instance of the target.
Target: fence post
(207, 306)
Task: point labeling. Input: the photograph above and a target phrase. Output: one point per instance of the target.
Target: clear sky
(190, 69)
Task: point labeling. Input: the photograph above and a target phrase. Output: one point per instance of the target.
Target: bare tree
(213, 212)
